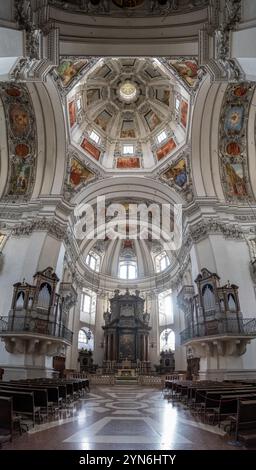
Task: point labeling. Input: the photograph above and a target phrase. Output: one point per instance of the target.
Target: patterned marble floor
(123, 417)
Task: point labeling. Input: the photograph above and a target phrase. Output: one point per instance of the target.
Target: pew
(23, 403)
(245, 421)
(6, 419)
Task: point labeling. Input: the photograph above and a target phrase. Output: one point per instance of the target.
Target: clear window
(95, 137)
(128, 149)
(128, 270)
(79, 104)
(162, 262)
(165, 308)
(86, 339)
(167, 340)
(161, 137)
(87, 303)
(88, 307)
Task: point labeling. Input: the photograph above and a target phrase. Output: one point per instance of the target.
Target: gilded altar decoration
(22, 139)
(233, 155)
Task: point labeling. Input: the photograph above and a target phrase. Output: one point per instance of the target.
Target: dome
(128, 113)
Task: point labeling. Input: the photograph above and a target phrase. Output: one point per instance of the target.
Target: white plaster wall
(11, 42)
(3, 150)
(243, 43)
(232, 263)
(20, 261)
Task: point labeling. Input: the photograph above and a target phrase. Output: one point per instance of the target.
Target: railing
(34, 325)
(240, 327)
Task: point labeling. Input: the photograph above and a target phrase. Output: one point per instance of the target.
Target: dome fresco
(128, 113)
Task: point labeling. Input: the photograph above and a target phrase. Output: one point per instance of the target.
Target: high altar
(126, 334)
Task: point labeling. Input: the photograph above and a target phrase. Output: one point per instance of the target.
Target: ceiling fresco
(233, 152)
(122, 112)
(22, 140)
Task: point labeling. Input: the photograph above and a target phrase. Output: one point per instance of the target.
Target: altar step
(126, 380)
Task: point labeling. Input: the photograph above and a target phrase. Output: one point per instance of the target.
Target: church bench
(245, 420)
(228, 404)
(213, 398)
(40, 395)
(23, 403)
(6, 419)
(53, 398)
(208, 397)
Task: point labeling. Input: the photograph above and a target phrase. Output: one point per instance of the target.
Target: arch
(167, 340)
(44, 296)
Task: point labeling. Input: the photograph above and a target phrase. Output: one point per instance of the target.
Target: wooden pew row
(23, 403)
(6, 419)
(245, 421)
(40, 395)
(213, 398)
(228, 405)
(53, 394)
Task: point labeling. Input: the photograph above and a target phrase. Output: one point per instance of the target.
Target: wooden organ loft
(213, 319)
(38, 318)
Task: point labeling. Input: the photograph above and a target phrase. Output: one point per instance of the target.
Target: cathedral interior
(127, 224)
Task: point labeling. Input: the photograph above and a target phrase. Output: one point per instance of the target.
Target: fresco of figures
(233, 156)
(177, 174)
(103, 119)
(69, 69)
(166, 149)
(163, 95)
(22, 139)
(184, 113)
(90, 148)
(79, 173)
(152, 120)
(128, 129)
(126, 163)
(187, 69)
(72, 113)
(92, 95)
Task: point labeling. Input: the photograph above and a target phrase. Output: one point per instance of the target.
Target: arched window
(165, 308)
(128, 269)
(88, 307)
(93, 261)
(85, 339)
(162, 262)
(167, 340)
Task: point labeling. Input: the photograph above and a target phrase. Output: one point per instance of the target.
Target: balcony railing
(230, 327)
(24, 325)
